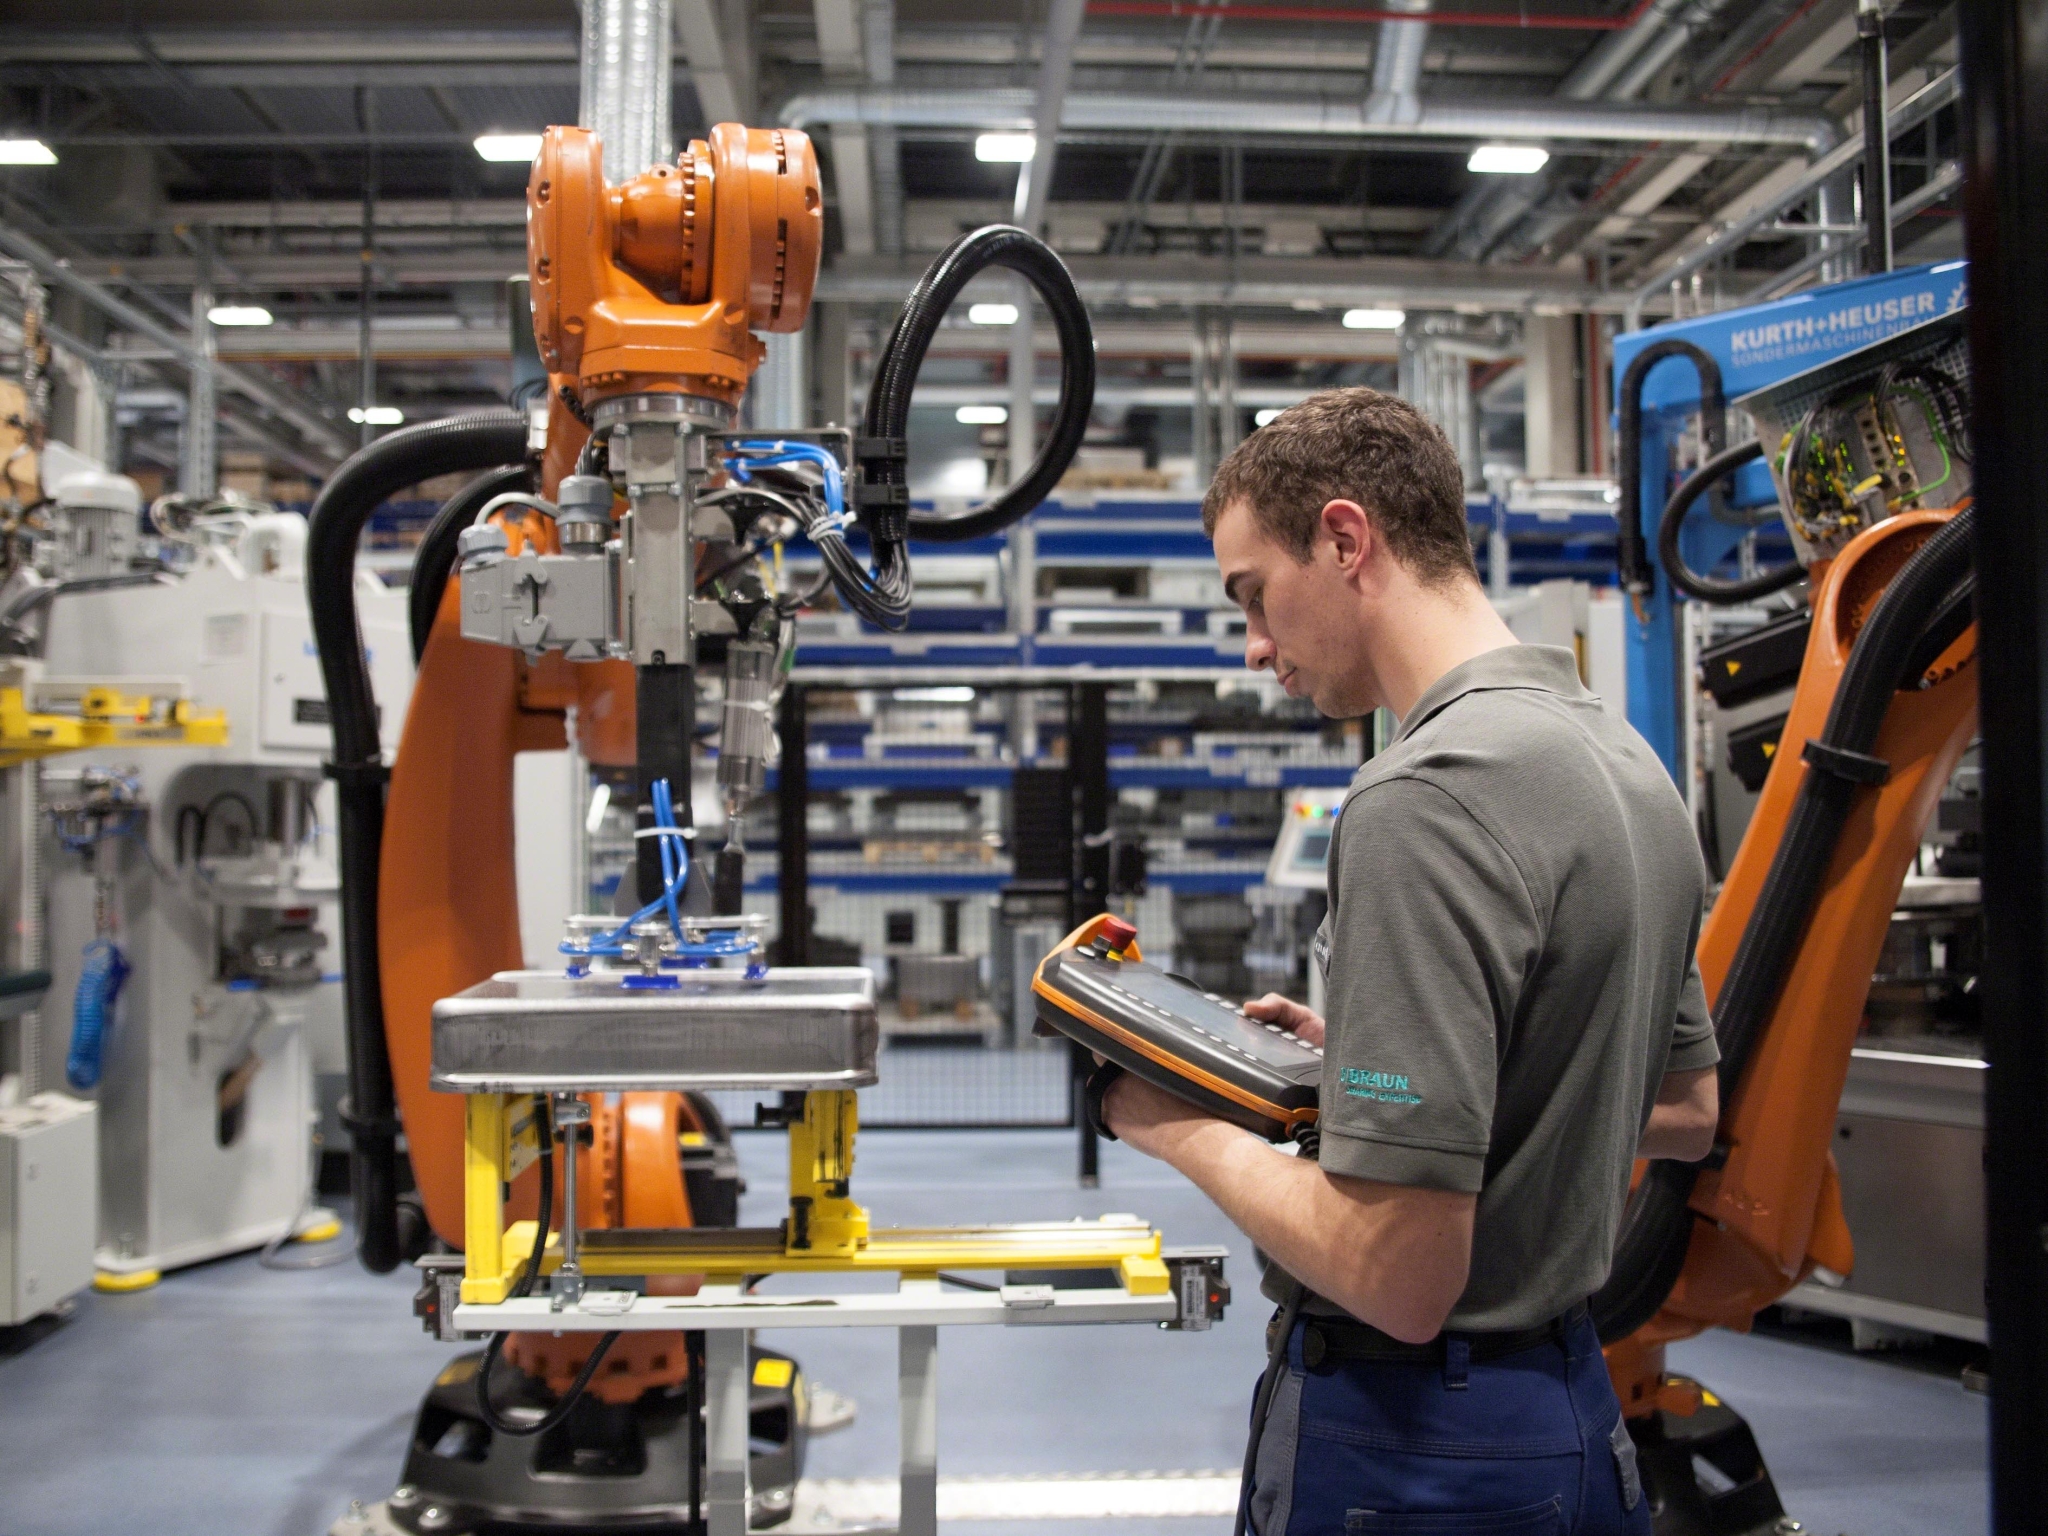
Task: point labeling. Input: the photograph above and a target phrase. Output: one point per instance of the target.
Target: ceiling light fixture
(239, 314)
(1005, 148)
(1508, 159)
(26, 152)
(508, 148)
(1374, 319)
(982, 415)
(992, 314)
(376, 415)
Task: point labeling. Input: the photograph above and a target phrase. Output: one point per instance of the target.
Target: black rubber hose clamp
(1842, 763)
(1098, 1084)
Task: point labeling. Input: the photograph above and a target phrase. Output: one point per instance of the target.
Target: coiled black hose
(1631, 548)
(480, 441)
(1715, 589)
(884, 596)
(1890, 653)
(434, 561)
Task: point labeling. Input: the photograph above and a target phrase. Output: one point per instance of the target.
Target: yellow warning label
(1733, 666)
(1770, 748)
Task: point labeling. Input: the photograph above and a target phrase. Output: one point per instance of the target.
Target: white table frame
(725, 1314)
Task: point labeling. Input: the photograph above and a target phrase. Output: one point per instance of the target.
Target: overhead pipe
(1055, 70)
(1617, 69)
(1313, 116)
(1396, 95)
(626, 67)
(1520, 20)
(1595, 76)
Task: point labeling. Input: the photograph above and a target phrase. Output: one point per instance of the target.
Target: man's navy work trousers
(1530, 1444)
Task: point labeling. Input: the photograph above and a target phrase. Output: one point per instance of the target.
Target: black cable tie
(366, 1125)
(881, 450)
(1854, 767)
(374, 774)
(881, 497)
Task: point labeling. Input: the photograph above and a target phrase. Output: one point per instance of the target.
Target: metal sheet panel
(523, 1031)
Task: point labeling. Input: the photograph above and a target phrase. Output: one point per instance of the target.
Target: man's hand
(1395, 1256)
(1155, 1122)
(1288, 1014)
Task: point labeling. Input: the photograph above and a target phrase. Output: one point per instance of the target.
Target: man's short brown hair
(1352, 445)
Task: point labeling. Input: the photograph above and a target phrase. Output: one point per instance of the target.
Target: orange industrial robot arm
(1886, 704)
(652, 286)
(649, 287)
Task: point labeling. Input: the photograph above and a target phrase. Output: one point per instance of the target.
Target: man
(1513, 1014)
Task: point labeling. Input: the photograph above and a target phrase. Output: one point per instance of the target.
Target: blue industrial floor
(237, 1401)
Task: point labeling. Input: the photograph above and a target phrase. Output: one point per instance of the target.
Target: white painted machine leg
(726, 1391)
(918, 1394)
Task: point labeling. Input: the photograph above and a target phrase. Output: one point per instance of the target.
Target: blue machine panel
(1755, 347)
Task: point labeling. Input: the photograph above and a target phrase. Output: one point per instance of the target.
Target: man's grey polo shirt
(1515, 894)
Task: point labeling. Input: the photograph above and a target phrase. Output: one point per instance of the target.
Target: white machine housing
(181, 1181)
(49, 1167)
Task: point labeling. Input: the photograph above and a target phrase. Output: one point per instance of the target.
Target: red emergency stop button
(1116, 934)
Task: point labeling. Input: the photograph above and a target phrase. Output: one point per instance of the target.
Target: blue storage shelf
(1201, 881)
(1124, 773)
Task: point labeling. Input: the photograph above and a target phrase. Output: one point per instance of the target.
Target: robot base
(616, 1468)
(1704, 1475)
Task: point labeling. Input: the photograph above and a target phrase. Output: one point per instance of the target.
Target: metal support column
(727, 1390)
(1877, 147)
(1090, 763)
(793, 829)
(917, 1391)
(2005, 207)
(1229, 424)
(1088, 770)
(366, 298)
(199, 475)
(1023, 425)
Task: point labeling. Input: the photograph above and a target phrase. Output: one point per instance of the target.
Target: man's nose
(1259, 651)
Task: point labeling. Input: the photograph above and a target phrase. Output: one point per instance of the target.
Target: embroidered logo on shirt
(1379, 1087)
(1320, 950)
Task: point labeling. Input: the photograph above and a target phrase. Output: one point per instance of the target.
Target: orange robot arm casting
(1772, 1211)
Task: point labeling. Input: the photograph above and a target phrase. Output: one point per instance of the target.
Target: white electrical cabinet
(49, 1203)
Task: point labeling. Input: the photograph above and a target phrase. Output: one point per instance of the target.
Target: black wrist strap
(1099, 1083)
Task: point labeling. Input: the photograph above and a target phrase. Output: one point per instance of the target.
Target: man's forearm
(1392, 1257)
(1683, 1120)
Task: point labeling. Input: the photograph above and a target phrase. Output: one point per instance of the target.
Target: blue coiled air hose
(92, 1011)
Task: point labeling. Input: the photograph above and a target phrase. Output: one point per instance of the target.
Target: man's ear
(1351, 534)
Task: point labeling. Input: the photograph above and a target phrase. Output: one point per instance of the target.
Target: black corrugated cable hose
(884, 595)
(1631, 548)
(523, 1286)
(480, 441)
(1927, 600)
(434, 561)
(1715, 589)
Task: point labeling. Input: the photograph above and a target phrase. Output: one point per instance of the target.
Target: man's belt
(1327, 1342)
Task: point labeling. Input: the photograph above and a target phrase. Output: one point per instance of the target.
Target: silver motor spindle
(746, 737)
(747, 732)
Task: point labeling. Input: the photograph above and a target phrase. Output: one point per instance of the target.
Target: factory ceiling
(1280, 160)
